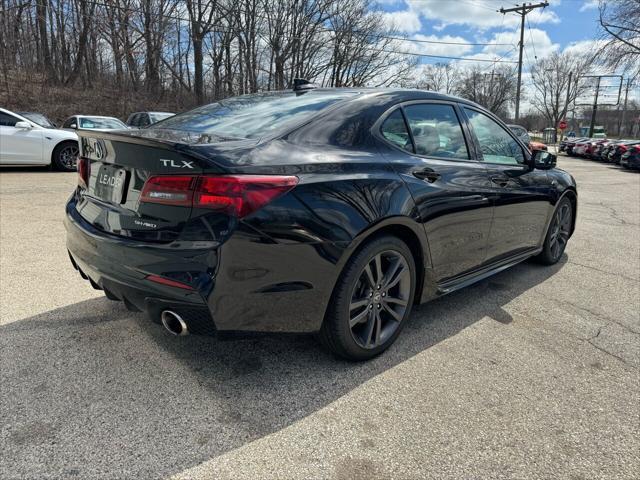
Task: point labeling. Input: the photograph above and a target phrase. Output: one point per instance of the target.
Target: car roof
(95, 116)
(407, 93)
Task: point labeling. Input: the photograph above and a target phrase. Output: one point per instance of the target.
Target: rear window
(252, 116)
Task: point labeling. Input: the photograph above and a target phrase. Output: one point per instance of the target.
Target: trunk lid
(118, 165)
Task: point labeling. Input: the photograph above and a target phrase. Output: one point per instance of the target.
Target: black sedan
(317, 210)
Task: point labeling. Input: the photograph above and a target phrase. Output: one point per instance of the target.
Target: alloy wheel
(379, 299)
(69, 156)
(560, 230)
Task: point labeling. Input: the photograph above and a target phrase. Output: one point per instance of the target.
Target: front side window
(144, 120)
(7, 120)
(394, 129)
(132, 121)
(496, 145)
(436, 131)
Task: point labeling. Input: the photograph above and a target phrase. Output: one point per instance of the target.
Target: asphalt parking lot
(532, 373)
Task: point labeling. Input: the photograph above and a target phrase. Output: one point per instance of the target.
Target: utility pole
(595, 109)
(624, 108)
(521, 10)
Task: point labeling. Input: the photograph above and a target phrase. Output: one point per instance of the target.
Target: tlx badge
(175, 164)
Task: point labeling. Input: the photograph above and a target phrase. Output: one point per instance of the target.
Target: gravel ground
(532, 373)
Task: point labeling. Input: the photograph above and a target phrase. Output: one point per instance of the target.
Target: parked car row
(624, 152)
(30, 138)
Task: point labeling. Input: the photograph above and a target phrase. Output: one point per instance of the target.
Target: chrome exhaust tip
(173, 323)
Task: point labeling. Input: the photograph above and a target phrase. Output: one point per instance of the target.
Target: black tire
(558, 233)
(387, 261)
(62, 160)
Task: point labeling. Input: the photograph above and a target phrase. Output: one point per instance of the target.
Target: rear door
(521, 196)
(431, 151)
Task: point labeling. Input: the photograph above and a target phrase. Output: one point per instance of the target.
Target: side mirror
(74, 126)
(543, 160)
(23, 125)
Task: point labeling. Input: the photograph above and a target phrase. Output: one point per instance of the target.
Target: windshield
(156, 117)
(38, 118)
(101, 123)
(252, 116)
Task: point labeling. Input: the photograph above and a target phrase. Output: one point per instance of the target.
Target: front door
(19, 145)
(521, 195)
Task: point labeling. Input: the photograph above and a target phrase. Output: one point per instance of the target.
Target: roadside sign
(562, 125)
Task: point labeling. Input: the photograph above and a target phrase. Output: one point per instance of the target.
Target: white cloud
(584, 47)
(478, 13)
(589, 5)
(437, 48)
(406, 21)
(537, 44)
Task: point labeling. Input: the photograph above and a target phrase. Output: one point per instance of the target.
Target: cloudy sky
(565, 24)
(474, 30)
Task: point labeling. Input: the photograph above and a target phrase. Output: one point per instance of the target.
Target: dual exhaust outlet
(174, 323)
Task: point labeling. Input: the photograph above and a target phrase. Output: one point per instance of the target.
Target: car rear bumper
(244, 284)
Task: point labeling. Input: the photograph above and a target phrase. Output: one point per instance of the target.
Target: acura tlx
(330, 211)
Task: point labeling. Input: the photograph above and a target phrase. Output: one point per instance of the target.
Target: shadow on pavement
(94, 390)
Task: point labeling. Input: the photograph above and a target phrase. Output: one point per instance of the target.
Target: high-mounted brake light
(84, 171)
(236, 195)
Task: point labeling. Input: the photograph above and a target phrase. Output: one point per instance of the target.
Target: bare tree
(620, 22)
(493, 90)
(556, 84)
(439, 77)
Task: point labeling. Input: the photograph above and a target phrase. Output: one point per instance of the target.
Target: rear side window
(7, 120)
(496, 145)
(143, 120)
(253, 116)
(436, 131)
(394, 129)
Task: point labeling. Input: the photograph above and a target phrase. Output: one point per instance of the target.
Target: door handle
(427, 174)
(500, 181)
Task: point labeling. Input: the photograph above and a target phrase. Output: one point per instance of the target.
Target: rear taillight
(84, 170)
(236, 195)
(622, 148)
(636, 149)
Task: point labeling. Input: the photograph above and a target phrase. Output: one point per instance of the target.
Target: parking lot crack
(598, 315)
(619, 275)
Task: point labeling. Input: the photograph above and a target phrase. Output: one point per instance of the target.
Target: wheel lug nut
(378, 287)
(370, 307)
(371, 294)
(384, 294)
(379, 306)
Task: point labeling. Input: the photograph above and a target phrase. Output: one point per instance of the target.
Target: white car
(24, 142)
